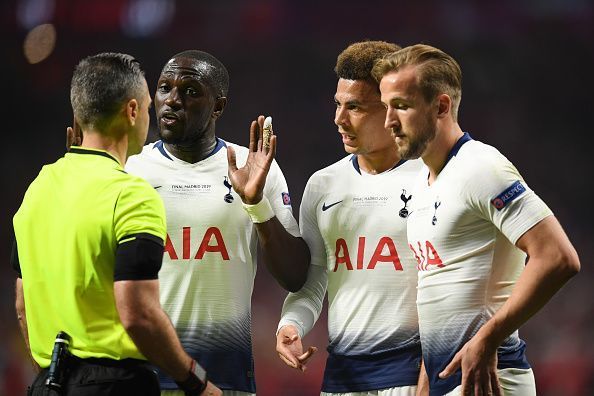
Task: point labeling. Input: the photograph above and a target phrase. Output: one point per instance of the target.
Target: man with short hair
(89, 244)
(216, 215)
(489, 250)
(353, 218)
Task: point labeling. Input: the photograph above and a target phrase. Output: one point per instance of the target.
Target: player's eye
(191, 91)
(163, 87)
(401, 106)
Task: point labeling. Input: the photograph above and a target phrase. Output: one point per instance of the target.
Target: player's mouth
(348, 139)
(169, 118)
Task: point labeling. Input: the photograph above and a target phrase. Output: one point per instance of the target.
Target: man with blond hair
(489, 250)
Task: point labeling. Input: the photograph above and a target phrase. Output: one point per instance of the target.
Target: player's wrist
(260, 212)
(196, 382)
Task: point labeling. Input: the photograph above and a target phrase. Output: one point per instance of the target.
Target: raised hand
(290, 348)
(479, 369)
(249, 180)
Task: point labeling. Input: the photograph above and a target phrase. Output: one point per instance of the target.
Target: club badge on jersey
(228, 197)
(404, 211)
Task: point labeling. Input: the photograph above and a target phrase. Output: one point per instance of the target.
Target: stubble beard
(413, 148)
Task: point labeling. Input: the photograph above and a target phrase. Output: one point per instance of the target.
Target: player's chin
(171, 136)
(351, 149)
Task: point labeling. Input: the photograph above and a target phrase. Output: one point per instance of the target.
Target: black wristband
(196, 382)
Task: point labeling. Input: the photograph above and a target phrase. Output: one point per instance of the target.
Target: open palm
(249, 180)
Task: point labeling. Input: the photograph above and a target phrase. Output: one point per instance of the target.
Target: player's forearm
(22, 318)
(286, 256)
(302, 309)
(543, 276)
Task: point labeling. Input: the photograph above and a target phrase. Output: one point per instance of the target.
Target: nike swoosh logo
(157, 187)
(326, 207)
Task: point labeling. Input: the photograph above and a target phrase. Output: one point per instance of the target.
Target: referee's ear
(132, 110)
(219, 106)
(74, 136)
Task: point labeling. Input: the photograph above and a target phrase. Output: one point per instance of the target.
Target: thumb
(452, 367)
(231, 160)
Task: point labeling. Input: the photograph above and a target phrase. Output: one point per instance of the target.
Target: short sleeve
(277, 192)
(310, 230)
(499, 193)
(139, 210)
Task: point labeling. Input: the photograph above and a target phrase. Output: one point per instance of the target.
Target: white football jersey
(209, 263)
(355, 226)
(463, 229)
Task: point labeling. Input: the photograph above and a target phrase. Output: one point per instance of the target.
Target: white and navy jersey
(355, 226)
(463, 229)
(209, 263)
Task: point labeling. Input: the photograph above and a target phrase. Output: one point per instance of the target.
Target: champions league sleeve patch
(511, 193)
(286, 198)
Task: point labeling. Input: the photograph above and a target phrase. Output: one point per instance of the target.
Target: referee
(89, 244)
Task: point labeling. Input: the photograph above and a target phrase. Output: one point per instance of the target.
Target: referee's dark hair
(101, 84)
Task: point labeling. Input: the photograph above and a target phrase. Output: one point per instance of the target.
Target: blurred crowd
(527, 70)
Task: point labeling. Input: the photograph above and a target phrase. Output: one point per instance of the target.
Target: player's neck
(195, 151)
(376, 163)
(438, 150)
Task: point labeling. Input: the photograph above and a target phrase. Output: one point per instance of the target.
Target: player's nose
(340, 117)
(392, 120)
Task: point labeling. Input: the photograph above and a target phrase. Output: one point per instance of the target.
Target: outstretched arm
(286, 256)
(552, 262)
(300, 312)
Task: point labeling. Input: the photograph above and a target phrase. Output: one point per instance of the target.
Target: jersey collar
(355, 163)
(85, 150)
(161, 147)
(465, 138)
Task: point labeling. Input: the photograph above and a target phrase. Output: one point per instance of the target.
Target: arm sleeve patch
(138, 257)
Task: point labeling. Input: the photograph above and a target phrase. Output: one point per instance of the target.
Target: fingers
(272, 150)
(254, 134)
(290, 361)
(451, 367)
(305, 357)
(231, 160)
(496, 386)
(260, 132)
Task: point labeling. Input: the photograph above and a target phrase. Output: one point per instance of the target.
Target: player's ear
(444, 105)
(219, 106)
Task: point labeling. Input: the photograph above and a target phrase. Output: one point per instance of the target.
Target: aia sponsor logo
(384, 252)
(426, 255)
(212, 242)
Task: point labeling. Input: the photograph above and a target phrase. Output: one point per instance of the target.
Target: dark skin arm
(22, 318)
(286, 257)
